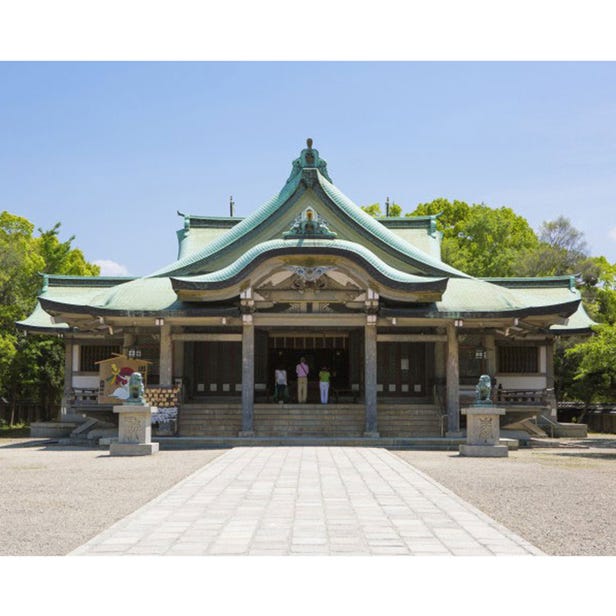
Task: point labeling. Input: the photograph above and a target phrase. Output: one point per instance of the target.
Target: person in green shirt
(324, 377)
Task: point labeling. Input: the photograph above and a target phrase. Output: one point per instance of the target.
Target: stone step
(303, 420)
(419, 443)
(84, 427)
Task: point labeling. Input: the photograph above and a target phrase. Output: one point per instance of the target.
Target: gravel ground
(561, 500)
(55, 498)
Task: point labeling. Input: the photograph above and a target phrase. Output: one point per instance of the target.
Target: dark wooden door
(404, 369)
(217, 369)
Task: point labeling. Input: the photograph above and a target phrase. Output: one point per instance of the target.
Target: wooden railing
(84, 396)
(522, 396)
(529, 397)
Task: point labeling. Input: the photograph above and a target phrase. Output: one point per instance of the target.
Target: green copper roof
(382, 234)
(235, 234)
(546, 282)
(351, 250)
(302, 177)
(41, 322)
(140, 297)
(244, 243)
(78, 290)
(478, 296)
(578, 323)
(473, 298)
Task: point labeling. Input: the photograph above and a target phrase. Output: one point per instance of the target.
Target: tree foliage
(480, 240)
(31, 367)
(493, 242)
(561, 250)
(594, 366)
(375, 211)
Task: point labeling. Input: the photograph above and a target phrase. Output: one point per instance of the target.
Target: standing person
(280, 376)
(302, 371)
(324, 377)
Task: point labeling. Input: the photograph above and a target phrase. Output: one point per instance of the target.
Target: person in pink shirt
(302, 371)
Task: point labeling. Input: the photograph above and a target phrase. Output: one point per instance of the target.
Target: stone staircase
(89, 432)
(209, 419)
(309, 420)
(409, 421)
(557, 429)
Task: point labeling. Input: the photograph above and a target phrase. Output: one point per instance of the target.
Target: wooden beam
(207, 337)
(411, 338)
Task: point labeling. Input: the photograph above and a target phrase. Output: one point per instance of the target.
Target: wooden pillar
(178, 358)
(67, 392)
(453, 381)
(439, 376)
(551, 400)
(370, 376)
(248, 375)
(128, 342)
(166, 356)
(490, 356)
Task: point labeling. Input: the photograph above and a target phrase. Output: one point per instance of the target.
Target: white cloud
(613, 233)
(111, 268)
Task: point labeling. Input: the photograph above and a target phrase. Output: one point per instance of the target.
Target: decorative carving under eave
(309, 225)
(308, 277)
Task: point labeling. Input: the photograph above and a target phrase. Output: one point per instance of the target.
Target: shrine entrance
(329, 349)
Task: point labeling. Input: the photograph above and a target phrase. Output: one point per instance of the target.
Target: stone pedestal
(134, 431)
(483, 433)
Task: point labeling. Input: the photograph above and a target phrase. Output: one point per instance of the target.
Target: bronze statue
(135, 389)
(483, 390)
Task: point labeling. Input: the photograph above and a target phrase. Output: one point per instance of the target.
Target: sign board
(113, 376)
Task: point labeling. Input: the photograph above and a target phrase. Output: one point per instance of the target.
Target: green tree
(594, 367)
(61, 257)
(561, 250)
(452, 215)
(490, 242)
(20, 264)
(31, 367)
(375, 211)
(597, 282)
(478, 239)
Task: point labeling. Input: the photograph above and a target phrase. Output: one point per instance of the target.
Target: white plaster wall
(522, 381)
(542, 359)
(87, 382)
(420, 239)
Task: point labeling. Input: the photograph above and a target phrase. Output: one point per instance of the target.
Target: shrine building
(310, 274)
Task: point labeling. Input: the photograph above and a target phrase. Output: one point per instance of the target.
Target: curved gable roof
(311, 175)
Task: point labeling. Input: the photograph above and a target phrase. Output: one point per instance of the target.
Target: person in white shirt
(280, 376)
(302, 371)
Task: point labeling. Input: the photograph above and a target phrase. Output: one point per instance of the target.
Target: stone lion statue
(135, 389)
(483, 389)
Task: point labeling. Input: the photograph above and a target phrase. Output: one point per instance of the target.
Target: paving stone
(307, 501)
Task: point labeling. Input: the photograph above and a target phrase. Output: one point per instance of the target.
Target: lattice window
(518, 359)
(90, 354)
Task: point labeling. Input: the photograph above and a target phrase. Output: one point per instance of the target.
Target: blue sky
(113, 150)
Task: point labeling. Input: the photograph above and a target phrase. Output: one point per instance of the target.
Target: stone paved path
(307, 500)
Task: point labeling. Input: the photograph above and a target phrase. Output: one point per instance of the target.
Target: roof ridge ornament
(309, 159)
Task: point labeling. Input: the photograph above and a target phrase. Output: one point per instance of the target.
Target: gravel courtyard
(561, 500)
(56, 498)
